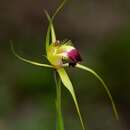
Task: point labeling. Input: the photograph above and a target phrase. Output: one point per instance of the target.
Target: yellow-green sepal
(67, 83)
(50, 31)
(104, 85)
(28, 61)
(51, 27)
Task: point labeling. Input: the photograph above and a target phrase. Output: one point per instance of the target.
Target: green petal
(59, 8)
(103, 83)
(67, 83)
(47, 41)
(29, 61)
(51, 27)
(50, 30)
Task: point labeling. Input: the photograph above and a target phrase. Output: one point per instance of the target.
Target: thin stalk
(60, 124)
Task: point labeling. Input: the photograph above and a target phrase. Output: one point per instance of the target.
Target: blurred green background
(100, 29)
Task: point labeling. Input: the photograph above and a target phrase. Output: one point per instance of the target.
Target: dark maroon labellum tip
(72, 64)
(74, 56)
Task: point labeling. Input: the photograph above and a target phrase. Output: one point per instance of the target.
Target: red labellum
(74, 57)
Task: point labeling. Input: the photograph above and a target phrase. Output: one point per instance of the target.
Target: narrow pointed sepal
(50, 31)
(67, 83)
(59, 8)
(28, 61)
(104, 85)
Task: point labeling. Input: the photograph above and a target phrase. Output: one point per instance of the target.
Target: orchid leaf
(67, 83)
(104, 85)
(29, 61)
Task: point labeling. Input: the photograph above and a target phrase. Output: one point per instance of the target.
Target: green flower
(59, 53)
(62, 54)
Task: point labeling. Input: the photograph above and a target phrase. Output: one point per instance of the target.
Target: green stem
(60, 124)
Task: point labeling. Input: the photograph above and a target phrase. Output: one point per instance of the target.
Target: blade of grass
(67, 83)
(104, 85)
(28, 61)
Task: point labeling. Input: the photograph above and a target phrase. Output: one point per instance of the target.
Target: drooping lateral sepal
(67, 83)
(104, 85)
(28, 61)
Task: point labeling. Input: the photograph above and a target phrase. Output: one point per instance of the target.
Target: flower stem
(60, 124)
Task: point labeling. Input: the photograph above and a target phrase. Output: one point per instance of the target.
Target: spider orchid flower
(62, 54)
(59, 53)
